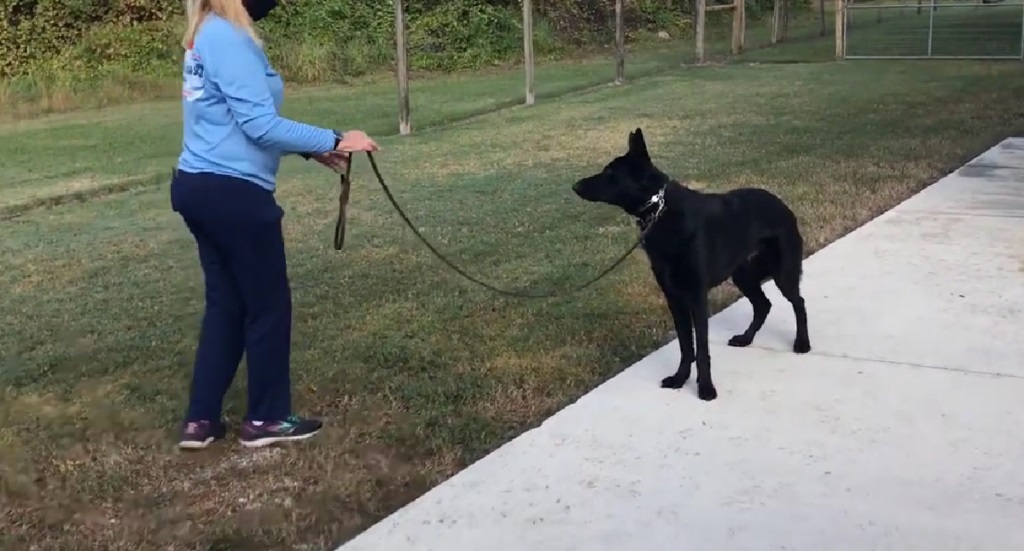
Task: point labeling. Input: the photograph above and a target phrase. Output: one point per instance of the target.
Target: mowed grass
(417, 372)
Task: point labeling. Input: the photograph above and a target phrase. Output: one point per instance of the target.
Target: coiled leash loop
(339, 237)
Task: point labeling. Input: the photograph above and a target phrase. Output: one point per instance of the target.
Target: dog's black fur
(695, 241)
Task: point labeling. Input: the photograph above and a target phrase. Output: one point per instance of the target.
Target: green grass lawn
(417, 372)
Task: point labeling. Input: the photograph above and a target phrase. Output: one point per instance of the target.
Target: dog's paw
(674, 381)
(707, 392)
(740, 340)
(801, 346)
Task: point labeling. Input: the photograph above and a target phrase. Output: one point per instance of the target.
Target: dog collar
(657, 201)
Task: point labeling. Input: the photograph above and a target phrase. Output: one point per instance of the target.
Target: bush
(308, 40)
(35, 33)
(464, 33)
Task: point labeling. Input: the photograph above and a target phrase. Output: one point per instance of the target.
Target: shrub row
(310, 40)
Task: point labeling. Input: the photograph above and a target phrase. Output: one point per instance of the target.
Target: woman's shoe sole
(271, 440)
(196, 444)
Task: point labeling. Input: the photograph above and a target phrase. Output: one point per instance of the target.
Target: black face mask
(258, 9)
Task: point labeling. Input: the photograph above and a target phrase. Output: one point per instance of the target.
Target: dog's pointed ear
(637, 145)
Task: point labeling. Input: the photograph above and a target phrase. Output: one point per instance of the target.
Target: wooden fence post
(620, 44)
(786, 5)
(821, 17)
(742, 5)
(699, 31)
(737, 27)
(840, 30)
(402, 69)
(528, 49)
(776, 21)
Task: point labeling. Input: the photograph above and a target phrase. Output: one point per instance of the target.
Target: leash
(345, 181)
(339, 235)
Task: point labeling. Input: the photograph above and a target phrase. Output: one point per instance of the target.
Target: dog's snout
(584, 189)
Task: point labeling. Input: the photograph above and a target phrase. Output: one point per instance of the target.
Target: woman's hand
(335, 160)
(356, 140)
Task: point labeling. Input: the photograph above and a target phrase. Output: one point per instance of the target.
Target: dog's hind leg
(787, 279)
(748, 278)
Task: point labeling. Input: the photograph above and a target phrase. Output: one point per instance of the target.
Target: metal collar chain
(658, 201)
(339, 237)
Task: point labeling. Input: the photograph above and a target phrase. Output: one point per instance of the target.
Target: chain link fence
(986, 29)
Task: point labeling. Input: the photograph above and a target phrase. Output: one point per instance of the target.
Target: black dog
(695, 241)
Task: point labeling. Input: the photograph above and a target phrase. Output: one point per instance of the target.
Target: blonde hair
(232, 10)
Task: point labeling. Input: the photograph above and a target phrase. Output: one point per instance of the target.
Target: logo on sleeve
(193, 82)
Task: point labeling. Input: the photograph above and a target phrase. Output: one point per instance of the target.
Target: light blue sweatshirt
(230, 98)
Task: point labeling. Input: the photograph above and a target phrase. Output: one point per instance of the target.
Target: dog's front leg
(705, 386)
(684, 332)
(680, 311)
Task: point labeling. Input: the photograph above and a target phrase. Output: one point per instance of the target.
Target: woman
(223, 189)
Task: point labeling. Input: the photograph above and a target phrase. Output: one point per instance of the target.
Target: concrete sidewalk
(903, 429)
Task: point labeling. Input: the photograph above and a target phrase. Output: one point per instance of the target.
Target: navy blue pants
(237, 228)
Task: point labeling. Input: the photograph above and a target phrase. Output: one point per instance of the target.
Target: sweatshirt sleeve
(239, 73)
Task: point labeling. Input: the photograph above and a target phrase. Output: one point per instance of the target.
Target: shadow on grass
(14, 210)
